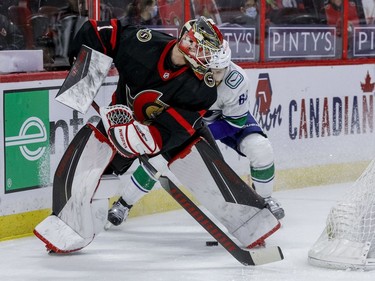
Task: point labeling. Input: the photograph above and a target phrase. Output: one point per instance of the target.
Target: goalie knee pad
(258, 150)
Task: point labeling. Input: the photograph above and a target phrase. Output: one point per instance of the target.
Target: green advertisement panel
(26, 130)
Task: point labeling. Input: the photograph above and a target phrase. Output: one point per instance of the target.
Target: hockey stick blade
(266, 255)
(245, 256)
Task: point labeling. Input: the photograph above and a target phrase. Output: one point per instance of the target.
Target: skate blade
(108, 225)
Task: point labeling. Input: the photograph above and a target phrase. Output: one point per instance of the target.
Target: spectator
(293, 4)
(11, 37)
(333, 12)
(206, 8)
(249, 13)
(5, 4)
(143, 12)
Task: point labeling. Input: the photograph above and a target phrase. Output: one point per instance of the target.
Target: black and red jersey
(172, 99)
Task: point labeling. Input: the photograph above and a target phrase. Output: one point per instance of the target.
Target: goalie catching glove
(128, 136)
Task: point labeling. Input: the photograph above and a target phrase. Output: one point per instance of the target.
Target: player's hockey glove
(128, 136)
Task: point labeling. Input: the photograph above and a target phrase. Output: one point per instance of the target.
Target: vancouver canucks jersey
(232, 101)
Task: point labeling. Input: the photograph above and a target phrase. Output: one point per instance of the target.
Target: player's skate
(119, 212)
(274, 207)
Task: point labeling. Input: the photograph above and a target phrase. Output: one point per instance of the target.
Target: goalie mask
(199, 41)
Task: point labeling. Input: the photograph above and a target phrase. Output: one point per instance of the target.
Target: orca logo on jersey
(209, 79)
(144, 35)
(147, 105)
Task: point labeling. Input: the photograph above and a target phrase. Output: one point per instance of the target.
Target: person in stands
(11, 37)
(334, 14)
(143, 12)
(249, 13)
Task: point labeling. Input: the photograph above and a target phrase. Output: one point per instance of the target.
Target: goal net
(348, 240)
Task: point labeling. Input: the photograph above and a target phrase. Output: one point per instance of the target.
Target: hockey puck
(212, 243)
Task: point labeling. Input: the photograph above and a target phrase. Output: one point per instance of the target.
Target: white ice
(171, 246)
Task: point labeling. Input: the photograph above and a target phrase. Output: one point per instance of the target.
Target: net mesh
(353, 217)
(348, 239)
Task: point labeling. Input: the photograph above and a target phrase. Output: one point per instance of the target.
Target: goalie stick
(245, 256)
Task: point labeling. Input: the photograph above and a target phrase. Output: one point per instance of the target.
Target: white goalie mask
(199, 41)
(220, 62)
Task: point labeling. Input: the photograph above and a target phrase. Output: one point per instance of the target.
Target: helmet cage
(200, 41)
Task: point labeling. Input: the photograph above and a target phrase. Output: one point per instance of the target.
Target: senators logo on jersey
(209, 79)
(144, 35)
(147, 105)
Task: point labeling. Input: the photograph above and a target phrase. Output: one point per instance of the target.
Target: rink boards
(319, 119)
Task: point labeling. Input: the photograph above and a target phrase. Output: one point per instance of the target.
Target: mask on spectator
(154, 11)
(251, 12)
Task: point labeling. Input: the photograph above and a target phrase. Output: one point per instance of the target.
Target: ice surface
(171, 246)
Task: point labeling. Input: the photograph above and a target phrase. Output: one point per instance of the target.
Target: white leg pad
(84, 215)
(109, 186)
(59, 237)
(99, 214)
(247, 223)
(257, 228)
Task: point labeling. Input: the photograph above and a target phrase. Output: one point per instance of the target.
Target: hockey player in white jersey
(230, 121)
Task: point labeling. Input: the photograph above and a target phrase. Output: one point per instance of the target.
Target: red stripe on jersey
(95, 26)
(166, 74)
(156, 135)
(114, 98)
(114, 33)
(181, 120)
(186, 151)
(202, 112)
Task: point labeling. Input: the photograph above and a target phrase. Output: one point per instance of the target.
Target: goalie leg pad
(58, 236)
(218, 188)
(77, 213)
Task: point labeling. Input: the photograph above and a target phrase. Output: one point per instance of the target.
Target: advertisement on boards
(316, 115)
(26, 130)
(313, 116)
(37, 130)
